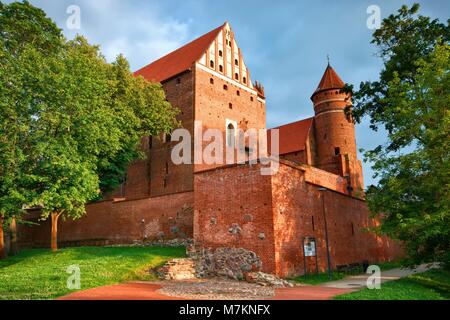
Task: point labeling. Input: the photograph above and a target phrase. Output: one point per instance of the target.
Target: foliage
(319, 278)
(410, 100)
(40, 274)
(70, 121)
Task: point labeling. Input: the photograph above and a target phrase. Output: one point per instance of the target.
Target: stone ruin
(233, 263)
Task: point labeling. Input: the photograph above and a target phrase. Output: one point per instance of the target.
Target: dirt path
(211, 289)
(223, 289)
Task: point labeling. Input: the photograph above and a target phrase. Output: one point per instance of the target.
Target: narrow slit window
(230, 135)
(337, 151)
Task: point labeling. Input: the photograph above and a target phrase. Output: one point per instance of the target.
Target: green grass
(431, 285)
(316, 279)
(41, 274)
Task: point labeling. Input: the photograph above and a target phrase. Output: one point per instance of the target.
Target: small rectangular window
(337, 151)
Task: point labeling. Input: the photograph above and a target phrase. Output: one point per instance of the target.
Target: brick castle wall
(236, 206)
(108, 222)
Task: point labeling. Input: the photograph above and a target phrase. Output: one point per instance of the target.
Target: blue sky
(285, 43)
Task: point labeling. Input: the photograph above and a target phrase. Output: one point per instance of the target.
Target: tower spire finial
(328, 59)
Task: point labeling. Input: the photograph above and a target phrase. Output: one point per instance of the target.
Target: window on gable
(211, 81)
(211, 64)
(236, 62)
(236, 76)
(225, 87)
(220, 53)
(220, 68)
(244, 79)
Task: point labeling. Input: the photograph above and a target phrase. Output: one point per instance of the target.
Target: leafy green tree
(93, 113)
(72, 121)
(22, 28)
(410, 101)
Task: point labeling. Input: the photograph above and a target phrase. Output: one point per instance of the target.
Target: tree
(90, 113)
(411, 102)
(22, 28)
(80, 118)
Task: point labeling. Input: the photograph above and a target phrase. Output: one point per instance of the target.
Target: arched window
(211, 64)
(236, 76)
(230, 135)
(236, 62)
(220, 68)
(220, 53)
(244, 80)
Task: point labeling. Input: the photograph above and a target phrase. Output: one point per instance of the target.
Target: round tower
(334, 130)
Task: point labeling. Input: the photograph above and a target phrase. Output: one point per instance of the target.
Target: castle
(313, 205)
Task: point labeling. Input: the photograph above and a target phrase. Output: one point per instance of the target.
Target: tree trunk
(2, 242)
(13, 231)
(54, 241)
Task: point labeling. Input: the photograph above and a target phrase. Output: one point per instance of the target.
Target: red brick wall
(178, 178)
(298, 206)
(240, 196)
(107, 222)
(212, 106)
(283, 207)
(299, 157)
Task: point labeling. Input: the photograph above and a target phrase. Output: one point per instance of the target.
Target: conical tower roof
(330, 80)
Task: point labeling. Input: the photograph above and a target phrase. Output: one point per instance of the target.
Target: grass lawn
(41, 274)
(315, 279)
(430, 285)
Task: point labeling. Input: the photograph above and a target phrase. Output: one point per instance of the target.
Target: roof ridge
(180, 59)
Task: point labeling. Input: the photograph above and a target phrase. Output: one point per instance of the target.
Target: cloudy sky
(285, 43)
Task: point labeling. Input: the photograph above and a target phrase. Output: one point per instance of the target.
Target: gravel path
(215, 289)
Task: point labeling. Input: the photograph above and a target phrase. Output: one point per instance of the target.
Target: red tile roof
(330, 80)
(293, 136)
(179, 60)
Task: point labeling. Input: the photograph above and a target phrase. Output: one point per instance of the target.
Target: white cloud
(140, 32)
